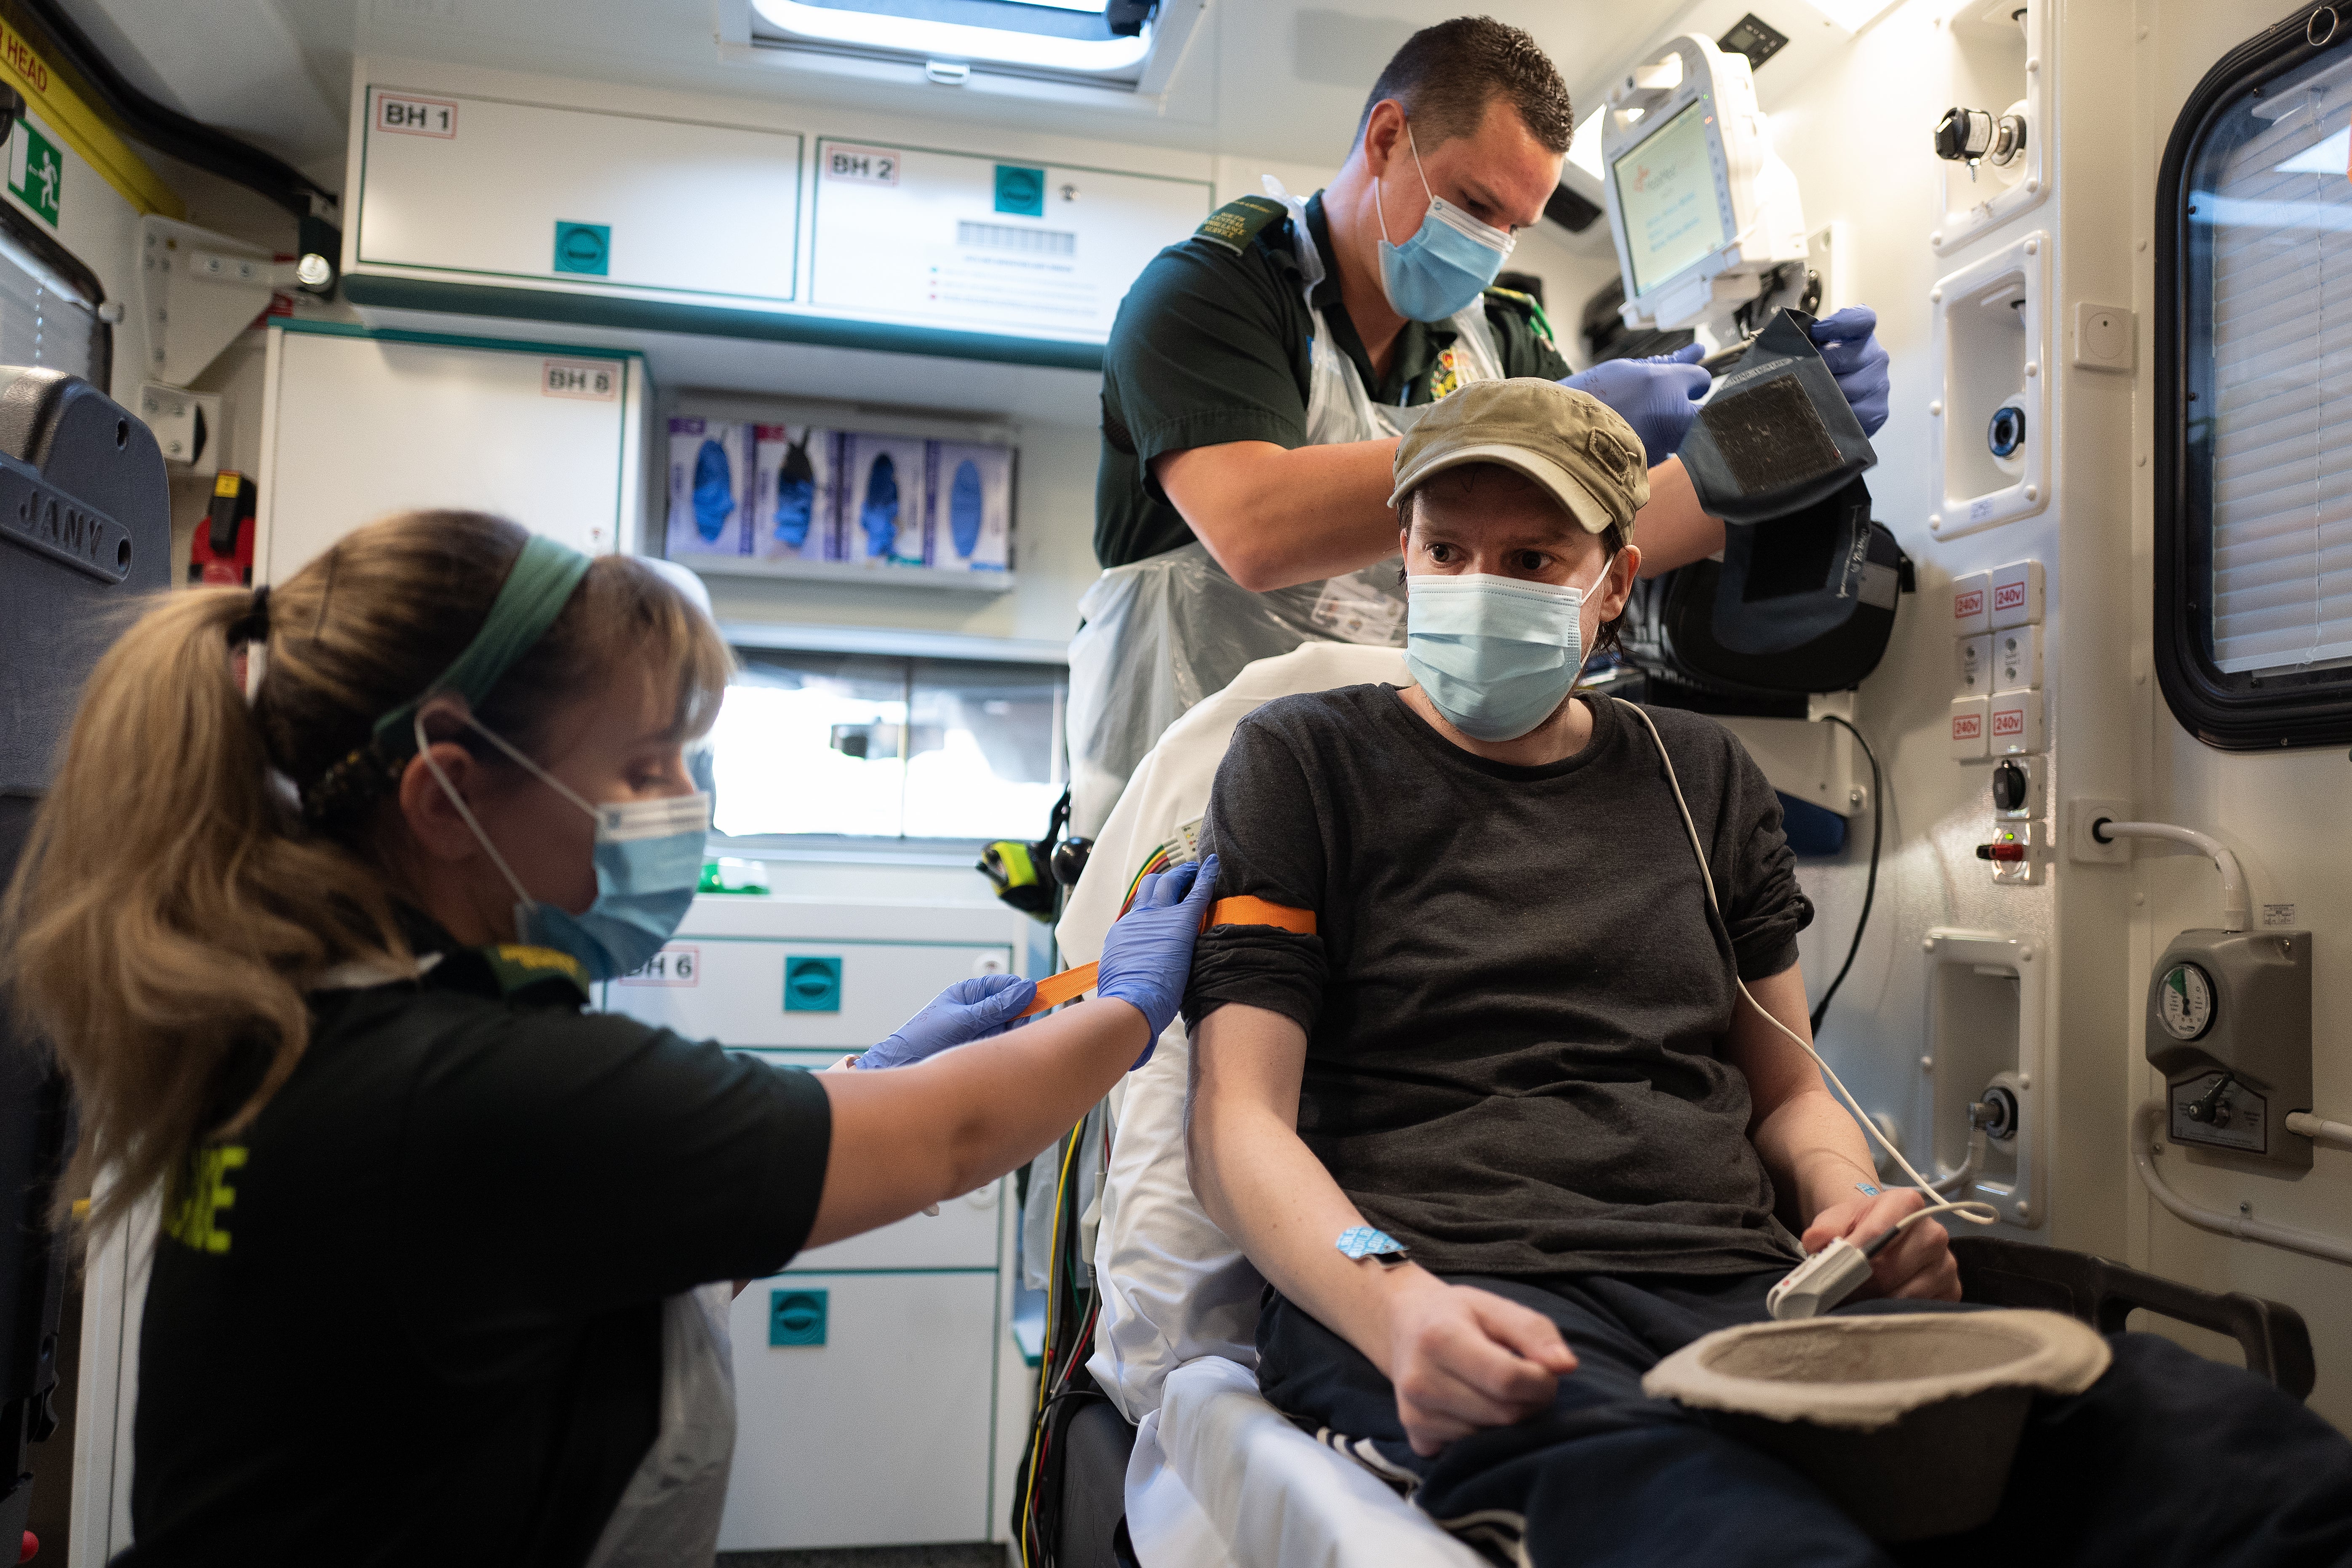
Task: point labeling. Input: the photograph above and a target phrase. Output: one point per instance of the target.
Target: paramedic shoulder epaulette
(1236, 224)
(1533, 307)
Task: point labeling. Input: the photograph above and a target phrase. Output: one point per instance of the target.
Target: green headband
(535, 592)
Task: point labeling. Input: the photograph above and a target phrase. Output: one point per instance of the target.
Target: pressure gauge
(2187, 999)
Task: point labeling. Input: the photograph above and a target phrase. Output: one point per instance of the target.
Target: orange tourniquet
(1072, 984)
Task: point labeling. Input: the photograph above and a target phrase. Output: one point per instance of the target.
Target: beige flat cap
(1570, 442)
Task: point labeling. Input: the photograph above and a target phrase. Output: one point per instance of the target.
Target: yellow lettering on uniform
(537, 958)
(194, 1219)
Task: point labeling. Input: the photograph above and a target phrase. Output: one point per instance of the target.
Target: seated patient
(1514, 1050)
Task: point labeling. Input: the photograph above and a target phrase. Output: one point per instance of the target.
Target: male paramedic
(1259, 373)
(1503, 1132)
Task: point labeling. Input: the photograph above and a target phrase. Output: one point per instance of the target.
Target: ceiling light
(930, 40)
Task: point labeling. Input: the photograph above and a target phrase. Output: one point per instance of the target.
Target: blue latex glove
(966, 1011)
(1850, 348)
(1657, 397)
(1148, 955)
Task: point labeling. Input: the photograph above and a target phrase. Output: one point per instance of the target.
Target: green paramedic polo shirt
(1210, 346)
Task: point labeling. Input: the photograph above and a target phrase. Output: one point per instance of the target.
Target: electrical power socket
(2081, 811)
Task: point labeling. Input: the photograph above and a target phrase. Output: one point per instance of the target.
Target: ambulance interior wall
(235, 375)
(2283, 812)
(1855, 132)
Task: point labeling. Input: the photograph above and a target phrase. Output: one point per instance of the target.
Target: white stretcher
(1218, 1477)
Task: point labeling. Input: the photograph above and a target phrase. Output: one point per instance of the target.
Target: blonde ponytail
(199, 861)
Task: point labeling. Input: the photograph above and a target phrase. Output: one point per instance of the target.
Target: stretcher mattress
(1220, 1478)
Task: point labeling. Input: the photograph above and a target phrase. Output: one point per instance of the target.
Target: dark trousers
(2168, 1458)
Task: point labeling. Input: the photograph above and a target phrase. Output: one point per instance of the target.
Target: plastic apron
(669, 1513)
(1161, 634)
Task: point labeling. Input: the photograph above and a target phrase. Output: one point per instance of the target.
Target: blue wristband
(1358, 1242)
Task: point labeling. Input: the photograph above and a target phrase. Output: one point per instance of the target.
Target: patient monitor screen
(1666, 196)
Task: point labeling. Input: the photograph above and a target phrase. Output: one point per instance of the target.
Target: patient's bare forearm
(1816, 1155)
(1812, 1148)
(1266, 1190)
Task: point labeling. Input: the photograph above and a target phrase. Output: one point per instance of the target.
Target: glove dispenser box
(1990, 413)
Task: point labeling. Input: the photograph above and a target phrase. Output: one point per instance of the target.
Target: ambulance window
(860, 746)
(2253, 343)
(46, 315)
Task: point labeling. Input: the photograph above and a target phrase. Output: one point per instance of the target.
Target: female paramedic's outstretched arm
(906, 1137)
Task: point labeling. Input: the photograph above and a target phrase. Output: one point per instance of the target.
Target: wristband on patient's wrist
(1358, 1242)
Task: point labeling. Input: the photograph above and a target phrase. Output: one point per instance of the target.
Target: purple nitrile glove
(1849, 344)
(1657, 397)
(966, 1011)
(1147, 956)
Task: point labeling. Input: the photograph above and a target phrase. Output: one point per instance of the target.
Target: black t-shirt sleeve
(1763, 906)
(568, 1164)
(1265, 824)
(1202, 354)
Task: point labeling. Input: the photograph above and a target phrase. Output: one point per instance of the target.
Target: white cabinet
(484, 190)
(880, 1396)
(989, 244)
(812, 993)
(358, 423)
(880, 1436)
(476, 193)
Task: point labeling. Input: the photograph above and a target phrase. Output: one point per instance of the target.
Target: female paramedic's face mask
(648, 862)
(1445, 265)
(1496, 655)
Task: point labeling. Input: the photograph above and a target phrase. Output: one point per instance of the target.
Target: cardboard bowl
(1908, 1421)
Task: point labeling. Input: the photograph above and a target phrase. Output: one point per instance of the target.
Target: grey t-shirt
(1515, 999)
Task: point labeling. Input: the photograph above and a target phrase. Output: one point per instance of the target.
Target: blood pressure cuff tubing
(1778, 434)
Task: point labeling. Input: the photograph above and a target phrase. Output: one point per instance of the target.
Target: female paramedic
(435, 1280)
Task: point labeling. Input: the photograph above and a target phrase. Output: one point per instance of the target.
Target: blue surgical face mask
(1495, 655)
(648, 863)
(1449, 260)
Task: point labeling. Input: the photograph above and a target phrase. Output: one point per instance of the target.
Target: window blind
(2276, 207)
(44, 321)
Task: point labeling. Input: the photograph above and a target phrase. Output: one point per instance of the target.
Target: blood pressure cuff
(1778, 434)
(1802, 603)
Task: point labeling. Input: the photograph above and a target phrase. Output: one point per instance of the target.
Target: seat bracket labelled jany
(37, 516)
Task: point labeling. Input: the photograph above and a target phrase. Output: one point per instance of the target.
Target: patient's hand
(1917, 1265)
(1463, 1360)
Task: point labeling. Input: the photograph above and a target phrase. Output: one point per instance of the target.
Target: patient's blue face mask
(1448, 261)
(648, 863)
(1496, 655)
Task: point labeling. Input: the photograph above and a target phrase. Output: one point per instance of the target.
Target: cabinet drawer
(962, 1235)
(879, 1436)
(486, 189)
(842, 996)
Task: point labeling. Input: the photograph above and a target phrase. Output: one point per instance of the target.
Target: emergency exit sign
(36, 173)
